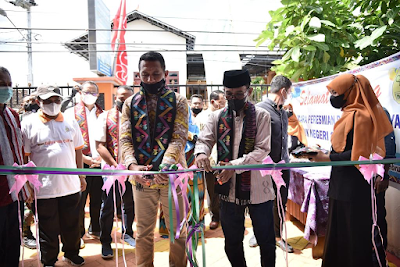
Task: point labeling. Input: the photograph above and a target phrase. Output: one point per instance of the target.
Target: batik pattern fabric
(112, 136)
(80, 116)
(225, 137)
(174, 154)
(150, 148)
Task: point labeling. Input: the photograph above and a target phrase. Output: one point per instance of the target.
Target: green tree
(316, 35)
(379, 22)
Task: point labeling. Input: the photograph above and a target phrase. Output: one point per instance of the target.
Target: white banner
(312, 106)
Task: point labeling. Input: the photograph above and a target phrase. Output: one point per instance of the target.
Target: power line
(128, 44)
(162, 17)
(128, 30)
(140, 51)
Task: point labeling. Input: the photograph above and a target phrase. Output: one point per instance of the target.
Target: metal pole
(29, 46)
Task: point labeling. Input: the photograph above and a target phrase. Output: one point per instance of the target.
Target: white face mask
(51, 109)
(89, 99)
(288, 98)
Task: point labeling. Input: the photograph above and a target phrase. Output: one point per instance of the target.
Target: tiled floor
(214, 244)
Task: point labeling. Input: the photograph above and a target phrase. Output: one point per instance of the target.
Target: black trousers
(58, 216)
(213, 197)
(107, 212)
(93, 188)
(232, 221)
(9, 235)
(284, 195)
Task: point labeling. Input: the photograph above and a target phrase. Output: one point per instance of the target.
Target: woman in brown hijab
(359, 132)
(296, 131)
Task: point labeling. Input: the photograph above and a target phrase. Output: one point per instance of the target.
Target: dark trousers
(93, 188)
(213, 197)
(284, 194)
(58, 216)
(107, 212)
(232, 221)
(9, 235)
(381, 214)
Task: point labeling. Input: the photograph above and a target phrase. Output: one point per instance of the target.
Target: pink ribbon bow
(21, 179)
(111, 179)
(275, 174)
(369, 170)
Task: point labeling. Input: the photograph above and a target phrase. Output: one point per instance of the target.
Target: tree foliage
(322, 38)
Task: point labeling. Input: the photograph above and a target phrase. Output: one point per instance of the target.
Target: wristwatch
(82, 176)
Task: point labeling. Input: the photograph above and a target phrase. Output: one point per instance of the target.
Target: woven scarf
(80, 116)
(225, 142)
(5, 146)
(112, 134)
(149, 149)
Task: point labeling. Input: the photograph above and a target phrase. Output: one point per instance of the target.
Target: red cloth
(5, 197)
(121, 64)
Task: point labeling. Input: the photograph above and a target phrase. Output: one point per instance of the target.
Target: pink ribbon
(368, 171)
(21, 179)
(275, 174)
(111, 179)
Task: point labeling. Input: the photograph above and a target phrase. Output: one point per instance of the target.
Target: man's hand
(203, 162)
(95, 162)
(225, 175)
(161, 178)
(381, 184)
(139, 178)
(82, 179)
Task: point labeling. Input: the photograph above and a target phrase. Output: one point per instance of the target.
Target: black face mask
(290, 114)
(119, 104)
(197, 110)
(338, 101)
(32, 107)
(237, 104)
(153, 88)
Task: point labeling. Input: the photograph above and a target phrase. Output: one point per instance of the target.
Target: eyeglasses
(89, 93)
(230, 96)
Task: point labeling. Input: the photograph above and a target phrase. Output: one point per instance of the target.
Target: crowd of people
(156, 128)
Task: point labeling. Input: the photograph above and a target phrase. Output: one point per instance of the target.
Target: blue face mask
(6, 93)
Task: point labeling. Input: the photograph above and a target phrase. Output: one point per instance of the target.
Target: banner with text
(312, 106)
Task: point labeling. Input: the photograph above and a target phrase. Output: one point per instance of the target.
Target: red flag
(118, 43)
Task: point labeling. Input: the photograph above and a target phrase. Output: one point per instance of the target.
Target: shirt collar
(45, 119)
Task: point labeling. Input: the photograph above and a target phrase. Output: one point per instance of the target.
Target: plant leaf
(317, 37)
(309, 48)
(326, 57)
(315, 23)
(296, 54)
(327, 22)
(378, 32)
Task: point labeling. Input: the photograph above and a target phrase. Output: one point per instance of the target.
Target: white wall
(174, 61)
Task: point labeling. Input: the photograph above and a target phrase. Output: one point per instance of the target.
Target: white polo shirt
(91, 122)
(52, 143)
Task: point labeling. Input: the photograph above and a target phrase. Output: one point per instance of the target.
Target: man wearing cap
(242, 133)
(52, 141)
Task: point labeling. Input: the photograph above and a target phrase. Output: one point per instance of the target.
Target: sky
(249, 16)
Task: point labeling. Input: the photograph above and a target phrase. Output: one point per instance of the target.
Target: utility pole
(27, 4)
